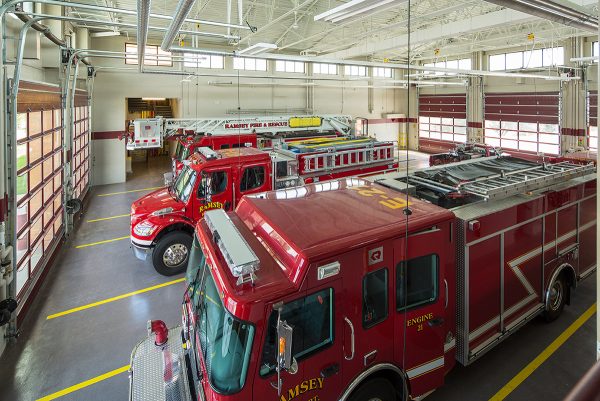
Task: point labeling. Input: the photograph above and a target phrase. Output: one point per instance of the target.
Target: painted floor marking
(106, 241)
(128, 192)
(544, 355)
(85, 384)
(108, 218)
(118, 297)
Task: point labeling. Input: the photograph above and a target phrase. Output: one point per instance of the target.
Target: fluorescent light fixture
(354, 8)
(257, 49)
(105, 34)
(154, 98)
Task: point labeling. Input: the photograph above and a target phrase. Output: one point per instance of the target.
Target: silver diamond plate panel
(462, 337)
(146, 372)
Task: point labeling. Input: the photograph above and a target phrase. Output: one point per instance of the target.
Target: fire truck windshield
(182, 152)
(184, 184)
(225, 341)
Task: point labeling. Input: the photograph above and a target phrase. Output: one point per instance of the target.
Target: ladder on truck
(148, 133)
(520, 181)
(339, 154)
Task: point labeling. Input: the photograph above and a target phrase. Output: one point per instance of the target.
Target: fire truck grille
(462, 331)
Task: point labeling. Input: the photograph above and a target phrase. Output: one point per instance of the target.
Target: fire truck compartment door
(420, 301)
(214, 191)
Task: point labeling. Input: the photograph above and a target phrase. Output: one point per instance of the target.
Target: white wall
(202, 98)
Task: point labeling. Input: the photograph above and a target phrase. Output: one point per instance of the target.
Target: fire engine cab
(162, 222)
(351, 290)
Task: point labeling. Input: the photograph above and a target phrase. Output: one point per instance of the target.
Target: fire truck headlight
(144, 229)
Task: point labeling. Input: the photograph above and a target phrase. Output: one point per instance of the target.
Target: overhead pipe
(126, 25)
(143, 20)
(113, 10)
(229, 16)
(552, 11)
(41, 28)
(179, 17)
(180, 49)
(240, 13)
(122, 24)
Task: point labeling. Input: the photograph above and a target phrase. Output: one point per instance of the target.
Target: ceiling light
(257, 49)
(154, 98)
(105, 34)
(354, 8)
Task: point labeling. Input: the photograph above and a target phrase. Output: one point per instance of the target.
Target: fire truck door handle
(351, 340)
(330, 371)
(435, 322)
(446, 300)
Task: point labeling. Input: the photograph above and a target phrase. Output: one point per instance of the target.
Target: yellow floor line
(101, 242)
(544, 355)
(108, 218)
(84, 384)
(133, 190)
(118, 297)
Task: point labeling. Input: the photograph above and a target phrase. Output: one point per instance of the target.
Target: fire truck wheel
(171, 254)
(556, 298)
(375, 390)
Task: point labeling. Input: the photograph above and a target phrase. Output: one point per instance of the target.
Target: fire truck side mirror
(285, 333)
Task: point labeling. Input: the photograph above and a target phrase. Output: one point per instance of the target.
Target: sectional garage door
(443, 117)
(40, 175)
(523, 121)
(39, 220)
(593, 119)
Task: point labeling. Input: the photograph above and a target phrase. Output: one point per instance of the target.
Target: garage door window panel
(442, 117)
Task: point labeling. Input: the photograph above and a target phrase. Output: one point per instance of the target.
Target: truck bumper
(140, 251)
(146, 378)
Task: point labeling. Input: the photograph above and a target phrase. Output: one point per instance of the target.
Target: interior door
(317, 346)
(421, 294)
(214, 191)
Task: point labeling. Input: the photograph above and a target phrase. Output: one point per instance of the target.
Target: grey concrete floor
(54, 354)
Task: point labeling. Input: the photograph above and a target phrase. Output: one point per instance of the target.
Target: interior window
(225, 146)
(216, 181)
(253, 177)
(375, 303)
(416, 282)
(312, 320)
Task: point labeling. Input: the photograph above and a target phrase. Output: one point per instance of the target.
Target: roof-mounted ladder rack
(512, 183)
(337, 159)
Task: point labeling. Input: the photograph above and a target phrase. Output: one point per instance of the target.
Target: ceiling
(449, 27)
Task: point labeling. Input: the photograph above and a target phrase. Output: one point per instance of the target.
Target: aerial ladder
(149, 133)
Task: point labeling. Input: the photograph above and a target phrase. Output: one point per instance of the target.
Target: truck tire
(171, 253)
(556, 298)
(375, 390)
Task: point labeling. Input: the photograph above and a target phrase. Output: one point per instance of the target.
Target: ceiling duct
(181, 13)
(143, 21)
(552, 11)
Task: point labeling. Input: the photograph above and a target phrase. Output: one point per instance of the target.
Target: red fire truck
(463, 151)
(351, 290)
(162, 222)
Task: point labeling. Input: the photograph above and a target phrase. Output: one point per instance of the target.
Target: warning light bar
(240, 258)
(305, 122)
(207, 152)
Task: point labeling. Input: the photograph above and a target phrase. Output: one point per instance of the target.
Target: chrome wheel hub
(175, 255)
(556, 294)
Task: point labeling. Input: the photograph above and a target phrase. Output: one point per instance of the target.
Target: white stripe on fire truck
(450, 345)
(425, 368)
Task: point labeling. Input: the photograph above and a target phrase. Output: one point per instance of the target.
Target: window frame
(159, 58)
(425, 130)
(526, 56)
(249, 60)
(496, 136)
(244, 179)
(436, 281)
(325, 65)
(323, 346)
(192, 60)
(383, 318)
(291, 67)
